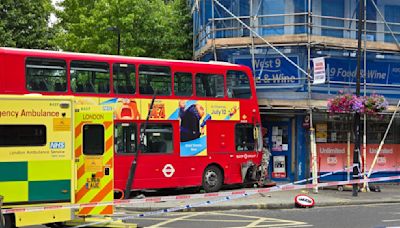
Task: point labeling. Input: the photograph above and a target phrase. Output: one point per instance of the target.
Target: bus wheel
(212, 179)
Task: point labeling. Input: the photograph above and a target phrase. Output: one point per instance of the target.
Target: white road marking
(176, 219)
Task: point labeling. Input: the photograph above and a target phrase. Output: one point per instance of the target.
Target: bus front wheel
(212, 179)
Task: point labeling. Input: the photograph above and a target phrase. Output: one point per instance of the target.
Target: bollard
(2, 220)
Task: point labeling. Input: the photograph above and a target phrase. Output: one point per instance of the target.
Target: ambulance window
(244, 137)
(93, 139)
(22, 135)
(125, 135)
(158, 138)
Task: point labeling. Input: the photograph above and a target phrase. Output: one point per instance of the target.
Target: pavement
(389, 193)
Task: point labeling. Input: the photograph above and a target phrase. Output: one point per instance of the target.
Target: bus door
(125, 148)
(94, 158)
(157, 162)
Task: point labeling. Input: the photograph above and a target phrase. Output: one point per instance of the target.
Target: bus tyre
(212, 179)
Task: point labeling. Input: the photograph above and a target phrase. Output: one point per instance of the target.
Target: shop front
(335, 145)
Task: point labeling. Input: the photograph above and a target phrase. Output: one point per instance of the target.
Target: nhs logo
(57, 145)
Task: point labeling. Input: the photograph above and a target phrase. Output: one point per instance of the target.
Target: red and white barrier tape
(198, 196)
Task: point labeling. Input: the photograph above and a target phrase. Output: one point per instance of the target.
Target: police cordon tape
(145, 200)
(285, 187)
(240, 194)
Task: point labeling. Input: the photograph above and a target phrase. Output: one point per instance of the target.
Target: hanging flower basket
(347, 103)
(375, 103)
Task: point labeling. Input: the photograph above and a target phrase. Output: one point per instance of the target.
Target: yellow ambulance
(55, 151)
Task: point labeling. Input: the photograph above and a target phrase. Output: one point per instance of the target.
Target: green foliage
(24, 24)
(150, 28)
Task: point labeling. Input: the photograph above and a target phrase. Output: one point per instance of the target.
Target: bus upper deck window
(183, 84)
(124, 78)
(210, 85)
(154, 78)
(46, 75)
(238, 85)
(90, 77)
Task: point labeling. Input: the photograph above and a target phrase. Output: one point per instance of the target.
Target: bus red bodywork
(223, 159)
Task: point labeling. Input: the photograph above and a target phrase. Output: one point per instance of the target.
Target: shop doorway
(279, 141)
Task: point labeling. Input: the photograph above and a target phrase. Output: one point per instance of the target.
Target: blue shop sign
(380, 72)
(272, 71)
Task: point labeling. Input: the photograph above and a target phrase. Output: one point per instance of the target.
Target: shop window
(125, 138)
(183, 84)
(238, 85)
(339, 128)
(154, 78)
(244, 137)
(93, 139)
(157, 138)
(124, 78)
(210, 85)
(22, 135)
(46, 75)
(376, 128)
(90, 77)
(333, 129)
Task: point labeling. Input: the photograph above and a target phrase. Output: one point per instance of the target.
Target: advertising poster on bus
(193, 116)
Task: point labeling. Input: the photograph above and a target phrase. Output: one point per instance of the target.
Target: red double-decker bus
(203, 127)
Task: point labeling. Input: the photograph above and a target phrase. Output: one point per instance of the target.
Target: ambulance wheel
(212, 179)
(8, 221)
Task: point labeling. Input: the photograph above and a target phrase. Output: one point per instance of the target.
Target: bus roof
(73, 54)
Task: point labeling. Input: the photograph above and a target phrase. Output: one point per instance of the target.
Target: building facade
(302, 30)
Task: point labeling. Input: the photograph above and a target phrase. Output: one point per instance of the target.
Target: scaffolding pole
(213, 32)
(364, 161)
(313, 145)
(252, 18)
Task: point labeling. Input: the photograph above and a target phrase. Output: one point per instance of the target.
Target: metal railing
(292, 24)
